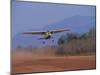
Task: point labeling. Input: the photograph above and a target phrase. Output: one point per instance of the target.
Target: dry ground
(27, 63)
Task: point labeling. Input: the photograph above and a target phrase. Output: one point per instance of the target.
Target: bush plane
(47, 34)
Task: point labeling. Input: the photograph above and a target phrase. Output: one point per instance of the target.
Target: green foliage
(92, 32)
(71, 36)
(67, 38)
(62, 40)
(84, 36)
(74, 36)
(72, 43)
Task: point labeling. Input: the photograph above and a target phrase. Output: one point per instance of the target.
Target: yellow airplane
(47, 34)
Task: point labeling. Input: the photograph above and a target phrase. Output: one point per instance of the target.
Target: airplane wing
(57, 31)
(34, 33)
(43, 33)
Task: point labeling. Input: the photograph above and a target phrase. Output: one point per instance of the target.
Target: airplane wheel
(52, 40)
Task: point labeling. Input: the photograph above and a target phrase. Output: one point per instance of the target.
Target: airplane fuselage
(48, 35)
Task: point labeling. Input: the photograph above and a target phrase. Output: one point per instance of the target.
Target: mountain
(79, 24)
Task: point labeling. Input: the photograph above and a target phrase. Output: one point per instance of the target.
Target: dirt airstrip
(29, 63)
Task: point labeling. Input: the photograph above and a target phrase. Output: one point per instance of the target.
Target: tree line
(74, 43)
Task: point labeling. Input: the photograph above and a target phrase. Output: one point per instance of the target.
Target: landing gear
(52, 40)
(44, 41)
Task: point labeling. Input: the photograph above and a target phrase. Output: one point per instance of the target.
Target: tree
(84, 36)
(62, 40)
(90, 34)
(71, 36)
(67, 38)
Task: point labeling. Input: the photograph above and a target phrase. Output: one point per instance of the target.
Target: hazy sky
(28, 15)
